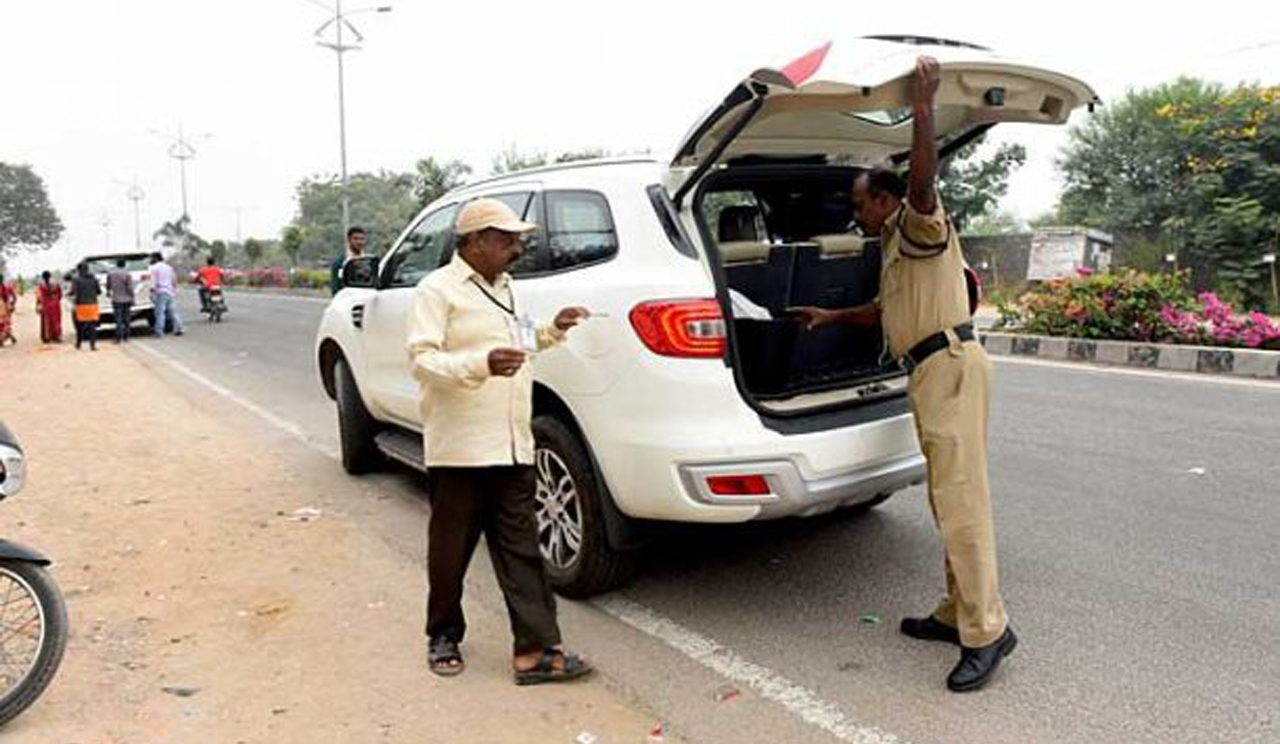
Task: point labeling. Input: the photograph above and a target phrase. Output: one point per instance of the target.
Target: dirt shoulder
(188, 567)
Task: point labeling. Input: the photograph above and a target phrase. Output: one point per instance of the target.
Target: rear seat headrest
(841, 245)
(743, 251)
(738, 222)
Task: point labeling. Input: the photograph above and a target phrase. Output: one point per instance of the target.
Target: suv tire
(564, 469)
(356, 428)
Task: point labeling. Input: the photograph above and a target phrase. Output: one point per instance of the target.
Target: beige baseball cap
(482, 214)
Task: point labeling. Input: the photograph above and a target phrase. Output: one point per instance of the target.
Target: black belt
(933, 344)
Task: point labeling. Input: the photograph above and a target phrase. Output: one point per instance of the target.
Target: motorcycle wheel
(35, 620)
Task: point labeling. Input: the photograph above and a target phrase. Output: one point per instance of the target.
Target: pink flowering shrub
(1218, 325)
(1132, 306)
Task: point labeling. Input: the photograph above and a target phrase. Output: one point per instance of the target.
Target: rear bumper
(792, 494)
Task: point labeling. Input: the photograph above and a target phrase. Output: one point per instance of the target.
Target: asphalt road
(1139, 527)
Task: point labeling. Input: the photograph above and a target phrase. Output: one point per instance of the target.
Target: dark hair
(156, 257)
(120, 262)
(885, 181)
(356, 231)
(45, 275)
(208, 261)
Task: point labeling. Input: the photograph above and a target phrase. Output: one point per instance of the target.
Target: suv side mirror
(361, 272)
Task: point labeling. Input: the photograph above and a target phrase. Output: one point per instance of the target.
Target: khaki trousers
(950, 394)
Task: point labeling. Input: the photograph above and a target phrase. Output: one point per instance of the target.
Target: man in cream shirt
(469, 345)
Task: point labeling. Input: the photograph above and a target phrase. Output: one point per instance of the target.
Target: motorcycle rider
(209, 277)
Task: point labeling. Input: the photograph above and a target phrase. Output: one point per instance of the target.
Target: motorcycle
(214, 304)
(33, 615)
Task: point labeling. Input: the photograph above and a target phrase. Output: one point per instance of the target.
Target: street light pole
(339, 21)
(136, 194)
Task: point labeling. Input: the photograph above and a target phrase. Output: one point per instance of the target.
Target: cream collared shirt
(470, 418)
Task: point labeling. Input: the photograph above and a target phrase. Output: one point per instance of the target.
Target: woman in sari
(8, 302)
(49, 305)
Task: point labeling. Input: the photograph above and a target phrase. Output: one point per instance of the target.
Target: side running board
(402, 446)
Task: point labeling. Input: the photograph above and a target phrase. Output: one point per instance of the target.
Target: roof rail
(926, 41)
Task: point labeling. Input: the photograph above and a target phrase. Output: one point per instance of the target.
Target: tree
(253, 250)
(511, 160)
(218, 252)
(971, 187)
(1191, 167)
(291, 243)
(27, 219)
(177, 235)
(433, 180)
(994, 223)
(382, 203)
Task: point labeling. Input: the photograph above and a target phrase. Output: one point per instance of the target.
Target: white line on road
(282, 424)
(796, 700)
(770, 685)
(1154, 374)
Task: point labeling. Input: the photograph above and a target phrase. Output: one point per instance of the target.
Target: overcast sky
(84, 82)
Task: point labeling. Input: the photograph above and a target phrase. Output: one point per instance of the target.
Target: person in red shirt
(209, 277)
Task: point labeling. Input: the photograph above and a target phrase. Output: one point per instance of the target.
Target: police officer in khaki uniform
(924, 309)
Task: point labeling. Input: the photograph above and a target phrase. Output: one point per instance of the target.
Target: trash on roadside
(184, 692)
(586, 737)
(726, 693)
(1197, 471)
(376, 605)
(305, 514)
(870, 619)
(658, 732)
(139, 502)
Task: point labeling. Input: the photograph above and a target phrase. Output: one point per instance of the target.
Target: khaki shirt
(470, 418)
(922, 285)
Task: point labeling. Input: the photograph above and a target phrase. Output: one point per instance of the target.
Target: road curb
(1210, 360)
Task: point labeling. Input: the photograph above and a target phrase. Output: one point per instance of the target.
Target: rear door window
(580, 229)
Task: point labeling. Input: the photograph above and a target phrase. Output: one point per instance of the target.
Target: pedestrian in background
(120, 287)
(8, 306)
(49, 306)
(164, 289)
(469, 352)
(357, 240)
(85, 296)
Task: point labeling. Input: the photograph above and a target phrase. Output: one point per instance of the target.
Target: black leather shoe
(978, 665)
(928, 629)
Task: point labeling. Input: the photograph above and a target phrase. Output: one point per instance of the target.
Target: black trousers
(87, 330)
(123, 312)
(498, 502)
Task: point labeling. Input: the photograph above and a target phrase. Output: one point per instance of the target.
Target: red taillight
(681, 328)
(738, 485)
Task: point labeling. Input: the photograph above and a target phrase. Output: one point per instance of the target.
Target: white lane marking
(1151, 373)
(770, 685)
(282, 424)
(797, 700)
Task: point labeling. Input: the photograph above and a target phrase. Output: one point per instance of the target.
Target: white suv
(139, 267)
(693, 396)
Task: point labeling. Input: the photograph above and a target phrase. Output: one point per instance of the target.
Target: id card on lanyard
(524, 332)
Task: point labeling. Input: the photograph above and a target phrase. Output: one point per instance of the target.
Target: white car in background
(693, 396)
(139, 267)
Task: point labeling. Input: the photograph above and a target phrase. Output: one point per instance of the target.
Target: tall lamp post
(339, 23)
(135, 194)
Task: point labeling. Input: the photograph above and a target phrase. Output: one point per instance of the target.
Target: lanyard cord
(508, 310)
